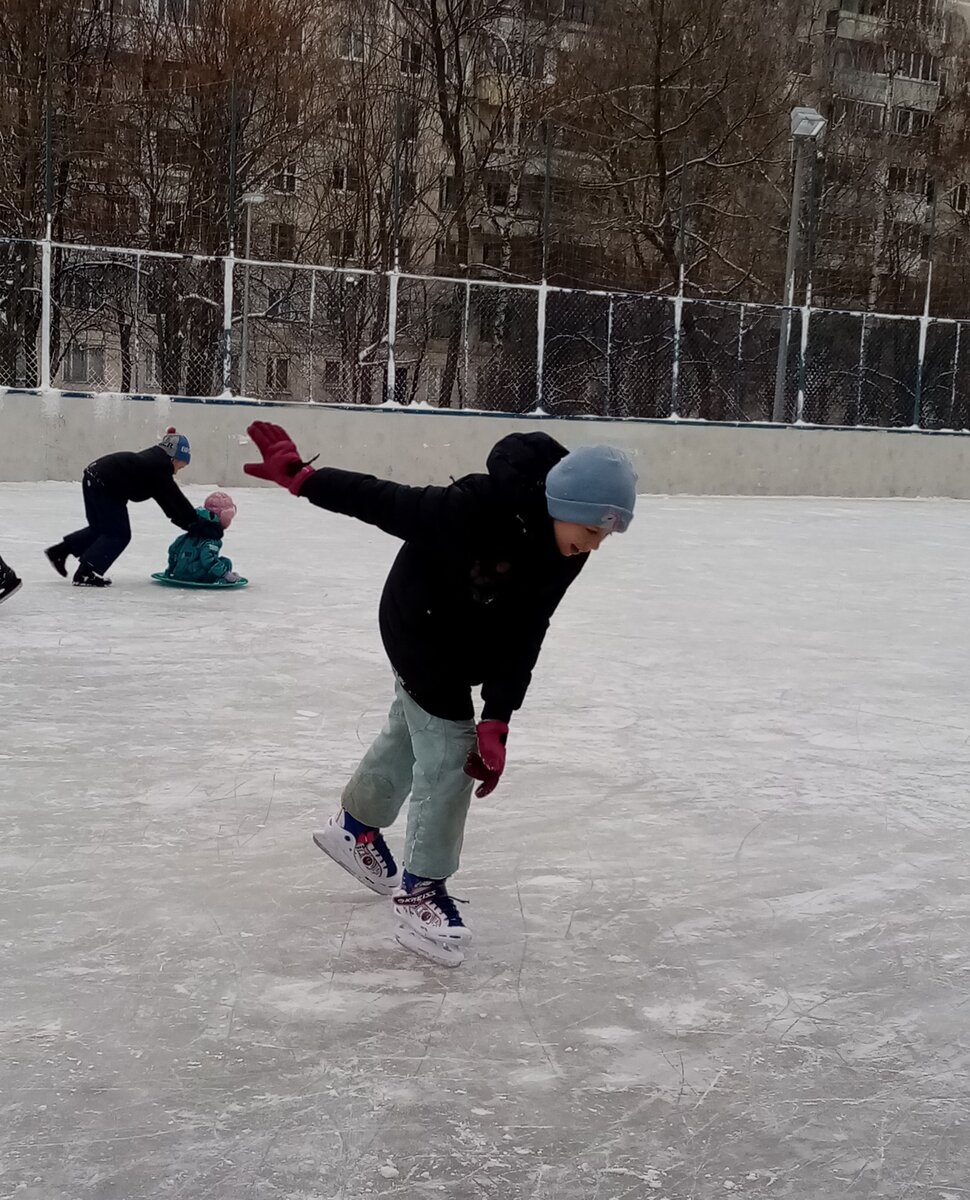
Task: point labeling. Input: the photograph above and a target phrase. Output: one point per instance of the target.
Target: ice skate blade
(379, 889)
(13, 591)
(444, 954)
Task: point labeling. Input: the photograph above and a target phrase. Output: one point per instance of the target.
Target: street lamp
(807, 126)
(250, 199)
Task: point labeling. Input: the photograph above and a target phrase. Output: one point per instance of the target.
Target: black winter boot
(84, 576)
(9, 583)
(57, 557)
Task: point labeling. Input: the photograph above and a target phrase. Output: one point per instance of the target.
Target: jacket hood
(211, 521)
(518, 466)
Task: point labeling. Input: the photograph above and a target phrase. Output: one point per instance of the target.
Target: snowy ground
(721, 902)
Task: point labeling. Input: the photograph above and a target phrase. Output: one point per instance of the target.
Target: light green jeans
(425, 756)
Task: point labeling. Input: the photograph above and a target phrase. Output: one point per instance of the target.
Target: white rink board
(721, 899)
(54, 436)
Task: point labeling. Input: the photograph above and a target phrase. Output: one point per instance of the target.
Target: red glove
(488, 762)
(281, 463)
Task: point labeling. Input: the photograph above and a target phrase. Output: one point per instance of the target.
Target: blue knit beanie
(176, 446)
(594, 485)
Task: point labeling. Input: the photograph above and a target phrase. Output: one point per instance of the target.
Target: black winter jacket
(470, 594)
(144, 475)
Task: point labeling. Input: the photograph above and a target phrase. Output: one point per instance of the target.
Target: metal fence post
(924, 328)
(228, 266)
(609, 356)
(861, 368)
(393, 279)
(675, 366)
(135, 348)
(739, 366)
(540, 342)
(806, 315)
(956, 369)
(309, 336)
(463, 390)
(45, 307)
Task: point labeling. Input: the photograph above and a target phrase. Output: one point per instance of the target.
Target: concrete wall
(53, 436)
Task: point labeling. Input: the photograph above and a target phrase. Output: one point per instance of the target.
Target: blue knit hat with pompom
(176, 446)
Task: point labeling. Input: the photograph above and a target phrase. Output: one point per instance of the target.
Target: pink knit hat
(222, 505)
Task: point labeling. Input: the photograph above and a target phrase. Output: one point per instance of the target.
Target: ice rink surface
(721, 900)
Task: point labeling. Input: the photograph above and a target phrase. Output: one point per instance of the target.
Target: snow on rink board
(721, 901)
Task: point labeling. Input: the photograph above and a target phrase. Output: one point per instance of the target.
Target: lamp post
(250, 199)
(807, 126)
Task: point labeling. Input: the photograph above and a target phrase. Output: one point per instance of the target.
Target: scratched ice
(721, 901)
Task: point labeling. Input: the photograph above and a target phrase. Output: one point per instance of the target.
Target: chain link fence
(113, 319)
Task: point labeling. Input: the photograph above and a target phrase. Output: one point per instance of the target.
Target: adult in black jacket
(484, 564)
(108, 485)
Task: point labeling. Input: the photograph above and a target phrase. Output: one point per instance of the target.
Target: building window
(960, 198)
(331, 376)
(282, 240)
(184, 12)
(278, 374)
(409, 121)
(905, 238)
(910, 180)
(83, 363)
(491, 308)
(512, 57)
(284, 178)
(580, 12)
(860, 115)
(342, 244)
(448, 194)
(349, 116)
(279, 304)
(917, 64)
(446, 254)
(909, 122)
(408, 186)
(433, 385)
(350, 46)
(496, 189)
(410, 57)
(173, 147)
(345, 178)
(80, 292)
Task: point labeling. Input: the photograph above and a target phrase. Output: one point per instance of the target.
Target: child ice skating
(108, 485)
(196, 556)
(9, 582)
(484, 564)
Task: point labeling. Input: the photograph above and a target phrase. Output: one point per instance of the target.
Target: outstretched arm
(402, 511)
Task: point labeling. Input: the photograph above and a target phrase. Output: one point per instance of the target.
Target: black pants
(108, 530)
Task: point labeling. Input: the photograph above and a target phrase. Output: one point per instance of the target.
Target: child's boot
(360, 850)
(86, 576)
(57, 557)
(9, 582)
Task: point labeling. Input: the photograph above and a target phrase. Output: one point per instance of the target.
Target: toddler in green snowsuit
(196, 556)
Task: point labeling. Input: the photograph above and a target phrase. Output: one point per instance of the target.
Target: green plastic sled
(161, 577)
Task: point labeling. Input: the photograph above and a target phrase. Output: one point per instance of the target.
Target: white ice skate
(430, 924)
(366, 856)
